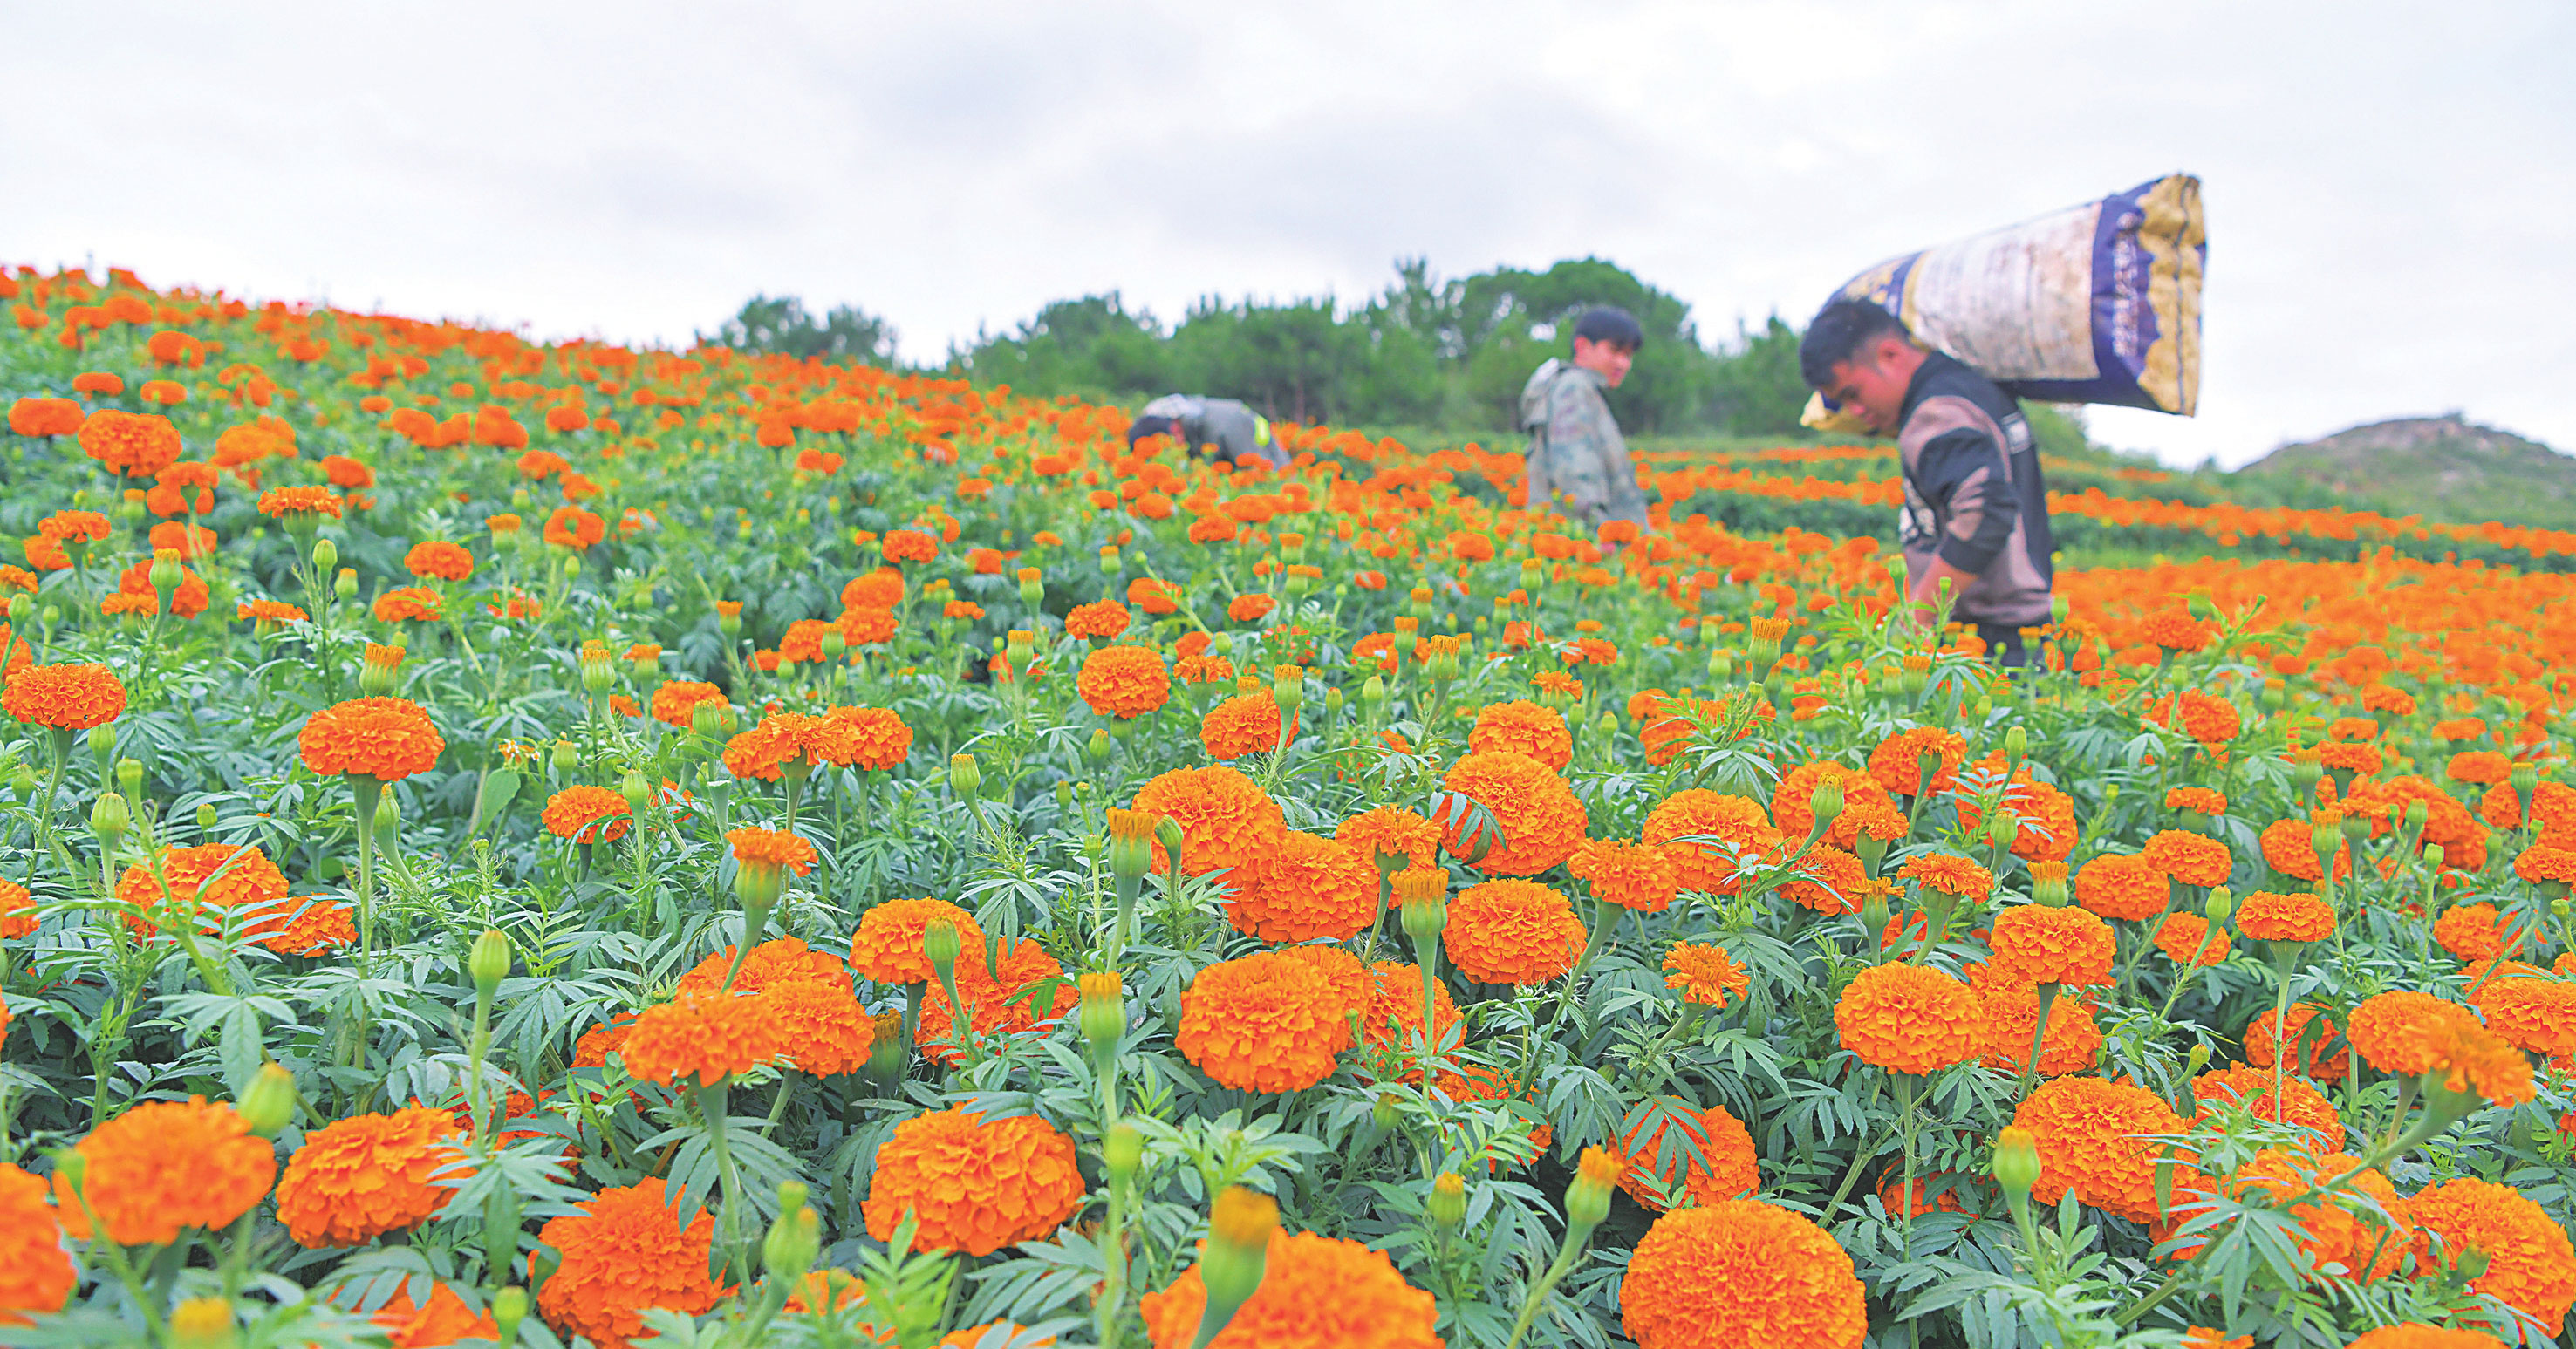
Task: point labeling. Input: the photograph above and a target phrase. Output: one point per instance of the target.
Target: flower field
(547, 843)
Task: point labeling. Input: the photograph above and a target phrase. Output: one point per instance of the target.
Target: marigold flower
(2412, 1335)
(367, 1175)
(2340, 1234)
(908, 545)
(775, 848)
(974, 1185)
(1251, 608)
(887, 947)
(872, 738)
(1512, 932)
(439, 561)
(2470, 932)
(1709, 836)
(1523, 728)
(164, 1166)
(703, 1035)
(2251, 1088)
(36, 1274)
(1650, 1167)
(1631, 875)
(2193, 859)
(1392, 831)
(1247, 723)
(1704, 974)
(2045, 817)
(65, 697)
(1829, 880)
(1316, 1292)
(2185, 939)
(1392, 1021)
(675, 703)
(2398, 1032)
(2473, 1060)
(443, 1320)
(1542, 821)
(1950, 874)
(1867, 808)
(209, 876)
(1100, 618)
(2299, 917)
(1741, 1273)
(623, 1252)
(2072, 1045)
(1127, 682)
(575, 528)
(1910, 1019)
(587, 814)
(1225, 820)
(1310, 887)
(2543, 863)
(2123, 885)
(998, 1000)
(44, 417)
(17, 910)
(384, 738)
(2531, 1013)
(2530, 1266)
(1896, 760)
(2093, 1139)
(1271, 1021)
(130, 444)
(2262, 1040)
(289, 504)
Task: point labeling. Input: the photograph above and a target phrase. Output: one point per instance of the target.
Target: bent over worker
(1976, 509)
(1578, 462)
(1223, 429)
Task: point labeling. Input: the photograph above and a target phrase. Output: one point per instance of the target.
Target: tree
(1754, 387)
(780, 325)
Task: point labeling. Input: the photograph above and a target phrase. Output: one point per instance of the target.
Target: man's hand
(1939, 582)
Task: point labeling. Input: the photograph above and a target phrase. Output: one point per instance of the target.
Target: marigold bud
(1032, 589)
(2003, 827)
(1239, 1226)
(1122, 1151)
(2196, 1060)
(886, 1053)
(1447, 1206)
(326, 555)
(109, 819)
(269, 1102)
(489, 963)
(1103, 1015)
(1288, 689)
(129, 775)
(636, 790)
(940, 945)
(165, 573)
(1109, 559)
(1099, 749)
(2221, 902)
(2017, 1163)
(963, 776)
(1167, 832)
(2016, 744)
(203, 1323)
(1873, 911)
(566, 757)
(346, 586)
(1587, 1197)
(2048, 884)
(1827, 802)
(796, 1236)
(509, 1308)
(207, 818)
(1373, 693)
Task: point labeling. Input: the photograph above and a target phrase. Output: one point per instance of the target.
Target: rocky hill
(2443, 468)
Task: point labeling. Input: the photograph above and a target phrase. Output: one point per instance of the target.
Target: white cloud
(2388, 183)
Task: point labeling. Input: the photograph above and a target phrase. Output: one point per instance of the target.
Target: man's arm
(1961, 474)
(1581, 438)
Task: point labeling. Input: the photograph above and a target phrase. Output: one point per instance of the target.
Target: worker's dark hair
(1611, 324)
(1151, 426)
(1840, 331)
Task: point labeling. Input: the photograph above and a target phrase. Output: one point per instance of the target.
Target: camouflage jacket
(1577, 459)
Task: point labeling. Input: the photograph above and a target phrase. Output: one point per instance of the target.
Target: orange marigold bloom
(130, 444)
(623, 1252)
(908, 545)
(2531, 1013)
(383, 738)
(17, 910)
(1652, 1165)
(1741, 1273)
(764, 751)
(2044, 816)
(675, 703)
(2251, 1088)
(879, 589)
(2412, 1335)
(771, 964)
(2473, 1060)
(1866, 805)
(367, 1175)
(1251, 608)
(703, 1035)
(575, 528)
(587, 814)
(1225, 820)
(2093, 1139)
(2483, 767)
(213, 875)
(75, 526)
(1392, 831)
(1316, 1292)
(1829, 880)
(44, 417)
(1392, 1021)
(1523, 728)
(1910, 1019)
(1541, 819)
(66, 697)
(1310, 887)
(974, 1185)
(35, 1273)
(2193, 859)
(1512, 932)
(2262, 1040)
(1709, 836)
(1950, 874)
(1897, 760)
(776, 848)
(887, 947)
(2123, 885)
(2338, 1235)
(2399, 1032)
(1126, 682)
(164, 1166)
(2470, 931)
(2530, 1266)
(303, 927)
(1705, 974)
(872, 738)
(2351, 757)
(443, 1320)
(2176, 630)
(1100, 618)
(1272, 1021)
(2011, 1005)
(2544, 863)
(289, 503)
(1631, 875)
(1247, 723)
(2302, 917)
(998, 1001)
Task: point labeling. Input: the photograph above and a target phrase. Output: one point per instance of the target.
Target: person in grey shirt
(1222, 429)
(1578, 462)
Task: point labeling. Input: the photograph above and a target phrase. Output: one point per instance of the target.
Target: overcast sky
(2389, 186)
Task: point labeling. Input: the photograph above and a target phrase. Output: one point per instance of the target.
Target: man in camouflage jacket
(1578, 462)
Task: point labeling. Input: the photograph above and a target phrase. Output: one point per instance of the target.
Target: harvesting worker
(1976, 510)
(1578, 462)
(1222, 429)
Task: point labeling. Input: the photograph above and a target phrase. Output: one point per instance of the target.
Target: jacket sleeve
(1586, 459)
(1963, 478)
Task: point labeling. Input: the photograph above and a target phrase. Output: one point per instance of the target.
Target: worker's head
(1152, 426)
(1606, 339)
(1858, 355)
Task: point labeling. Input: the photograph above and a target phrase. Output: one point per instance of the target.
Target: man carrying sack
(1975, 522)
(1578, 462)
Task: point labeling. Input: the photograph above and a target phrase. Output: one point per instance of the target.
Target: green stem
(711, 1106)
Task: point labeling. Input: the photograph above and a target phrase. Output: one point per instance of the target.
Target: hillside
(2444, 468)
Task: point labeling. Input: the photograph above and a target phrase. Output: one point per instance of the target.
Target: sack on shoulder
(1534, 394)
